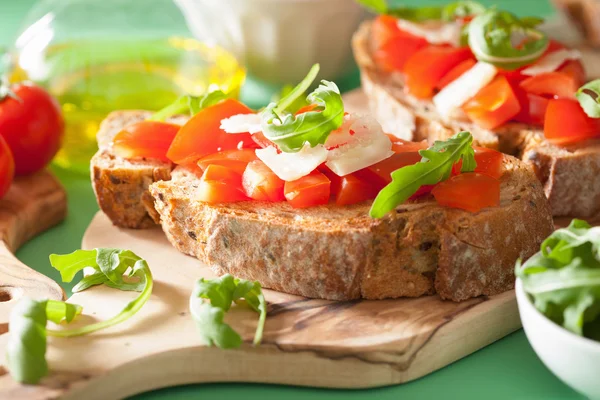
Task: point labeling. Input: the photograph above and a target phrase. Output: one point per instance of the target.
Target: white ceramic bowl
(278, 40)
(574, 359)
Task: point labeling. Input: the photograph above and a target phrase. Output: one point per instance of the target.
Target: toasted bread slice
(568, 174)
(121, 184)
(340, 253)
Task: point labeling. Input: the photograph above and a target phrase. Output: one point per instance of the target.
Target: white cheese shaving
(292, 166)
(459, 91)
(242, 123)
(551, 62)
(366, 145)
(435, 32)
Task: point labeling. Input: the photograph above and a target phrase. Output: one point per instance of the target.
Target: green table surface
(506, 369)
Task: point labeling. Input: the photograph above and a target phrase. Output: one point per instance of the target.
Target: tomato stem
(6, 91)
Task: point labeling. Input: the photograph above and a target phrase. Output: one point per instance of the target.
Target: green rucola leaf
(221, 292)
(290, 132)
(376, 6)
(563, 279)
(435, 166)
(189, 104)
(462, 9)
(59, 311)
(295, 94)
(70, 264)
(26, 347)
(588, 97)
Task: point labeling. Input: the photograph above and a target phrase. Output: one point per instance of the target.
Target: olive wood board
(32, 205)
(353, 344)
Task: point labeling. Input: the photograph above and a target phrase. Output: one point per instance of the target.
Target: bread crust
(340, 253)
(568, 174)
(120, 185)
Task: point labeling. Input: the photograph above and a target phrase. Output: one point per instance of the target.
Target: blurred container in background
(279, 40)
(97, 56)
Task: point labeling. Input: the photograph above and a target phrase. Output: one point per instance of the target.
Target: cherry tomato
(470, 191)
(148, 139)
(566, 122)
(7, 167)
(202, 134)
(493, 105)
(424, 70)
(455, 72)
(260, 183)
(489, 162)
(551, 84)
(379, 175)
(310, 190)
(392, 46)
(236, 160)
(32, 126)
(220, 185)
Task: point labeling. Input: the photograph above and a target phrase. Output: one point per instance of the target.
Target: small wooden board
(32, 205)
(354, 344)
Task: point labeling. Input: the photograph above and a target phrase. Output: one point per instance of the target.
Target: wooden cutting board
(33, 204)
(354, 344)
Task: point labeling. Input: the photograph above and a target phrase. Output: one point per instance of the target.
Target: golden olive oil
(91, 78)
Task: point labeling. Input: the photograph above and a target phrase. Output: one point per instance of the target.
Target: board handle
(33, 204)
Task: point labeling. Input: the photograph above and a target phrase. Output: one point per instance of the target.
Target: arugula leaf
(294, 96)
(492, 39)
(26, 347)
(222, 292)
(462, 9)
(589, 98)
(189, 103)
(27, 339)
(563, 279)
(376, 6)
(435, 166)
(290, 132)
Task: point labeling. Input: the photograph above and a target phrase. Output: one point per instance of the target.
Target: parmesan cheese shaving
(242, 123)
(551, 62)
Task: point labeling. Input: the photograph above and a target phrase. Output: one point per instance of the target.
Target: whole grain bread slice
(340, 253)
(121, 184)
(569, 174)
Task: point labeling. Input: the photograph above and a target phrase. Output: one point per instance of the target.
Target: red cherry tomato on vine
(7, 167)
(31, 122)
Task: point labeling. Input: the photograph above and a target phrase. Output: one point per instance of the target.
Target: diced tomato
(470, 191)
(392, 46)
(574, 68)
(202, 134)
(402, 146)
(424, 70)
(566, 122)
(349, 189)
(260, 140)
(551, 84)
(310, 190)
(493, 105)
(489, 162)
(455, 73)
(379, 175)
(235, 160)
(148, 139)
(553, 46)
(220, 185)
(533, 107)
(260, 183)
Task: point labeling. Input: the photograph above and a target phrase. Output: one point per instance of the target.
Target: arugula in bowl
(563, 279)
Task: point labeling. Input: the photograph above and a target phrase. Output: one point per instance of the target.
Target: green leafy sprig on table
(189, 104)
(435, 166)
(563, 279)
(221, 293)
(291, 132)
(118, 269)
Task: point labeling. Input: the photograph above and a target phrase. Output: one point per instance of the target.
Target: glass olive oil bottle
(91, 78)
